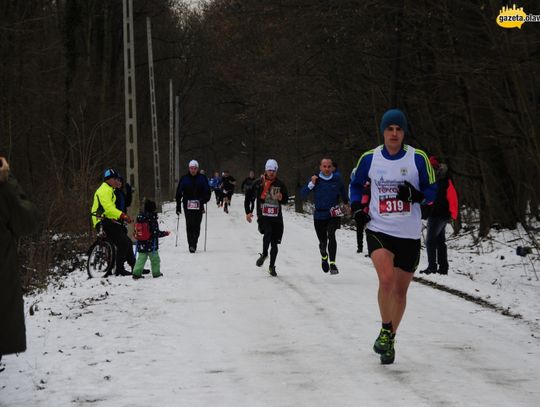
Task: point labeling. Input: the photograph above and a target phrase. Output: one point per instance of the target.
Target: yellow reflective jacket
(104, 204)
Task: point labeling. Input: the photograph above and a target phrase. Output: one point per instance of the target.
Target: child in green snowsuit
(149, 248)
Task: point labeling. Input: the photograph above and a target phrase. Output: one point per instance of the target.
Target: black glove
(408, 193)
(178, 210)
(359, 213)
(426, 211)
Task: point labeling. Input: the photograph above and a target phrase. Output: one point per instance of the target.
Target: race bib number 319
(394, 206)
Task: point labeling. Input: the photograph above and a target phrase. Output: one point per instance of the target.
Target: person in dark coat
(247, 185)
(439, 214)
(270, 194)
(18, 217)
(192, 193)
(228, 183)
(123, 198)
(124, 195)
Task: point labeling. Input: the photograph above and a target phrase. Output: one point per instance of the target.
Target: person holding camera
(401, 180)
(18, 217)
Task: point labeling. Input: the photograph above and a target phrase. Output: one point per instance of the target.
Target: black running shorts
(406, 251)
(273, 229)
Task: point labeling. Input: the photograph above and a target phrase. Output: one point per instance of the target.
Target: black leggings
(124, 247)
(326, 233)
(273, 232)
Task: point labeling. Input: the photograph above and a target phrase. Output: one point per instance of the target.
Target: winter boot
(428, 271)
(272, 271)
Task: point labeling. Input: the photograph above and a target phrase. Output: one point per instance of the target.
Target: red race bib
(270, 210)
(394, 206)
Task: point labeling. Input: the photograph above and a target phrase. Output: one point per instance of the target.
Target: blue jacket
(327, 194)
(214, 182)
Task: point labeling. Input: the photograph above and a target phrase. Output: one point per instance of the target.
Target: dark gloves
(408, 193)
(178, 209)
(359, 212)
(426, 211)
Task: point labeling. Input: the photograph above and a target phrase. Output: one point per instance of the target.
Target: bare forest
(293, 80)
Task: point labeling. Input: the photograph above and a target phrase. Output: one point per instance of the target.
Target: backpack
(141, 230)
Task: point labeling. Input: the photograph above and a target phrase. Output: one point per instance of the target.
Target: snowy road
(218, 331)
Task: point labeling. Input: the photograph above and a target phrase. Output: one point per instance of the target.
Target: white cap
(271, 165)
(193, 163)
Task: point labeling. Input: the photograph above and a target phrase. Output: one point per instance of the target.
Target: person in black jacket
(228, 183)
(18, 217)
(192, 193)
(247, 185)
(148, 248)
(270, 194)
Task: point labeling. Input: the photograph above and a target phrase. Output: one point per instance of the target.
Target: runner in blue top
(327, 188)
(401, 179)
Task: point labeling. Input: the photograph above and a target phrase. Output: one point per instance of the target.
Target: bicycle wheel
(101, 257)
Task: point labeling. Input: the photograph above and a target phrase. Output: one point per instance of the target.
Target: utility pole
(171, 140)
(177, 140)
(132, 162)
(155, 143)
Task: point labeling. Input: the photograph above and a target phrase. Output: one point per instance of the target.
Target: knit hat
(110, 173)
(149, 206)
(271, 165)
(193, 163)
(396, 117)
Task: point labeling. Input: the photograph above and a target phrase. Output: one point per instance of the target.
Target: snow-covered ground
(218, 331)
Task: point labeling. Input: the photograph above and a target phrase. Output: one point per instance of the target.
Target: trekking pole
(177, 222)
(205, 223)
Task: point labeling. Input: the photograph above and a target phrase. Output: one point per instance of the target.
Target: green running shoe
(272, 271)
(388, 357)
(383, 342)
(261, 259)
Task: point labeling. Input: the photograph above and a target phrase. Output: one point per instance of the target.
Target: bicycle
(101, 256)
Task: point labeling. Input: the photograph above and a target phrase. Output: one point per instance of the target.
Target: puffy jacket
(18, 217)
(151, 244)
(104, 204)
(326, 193)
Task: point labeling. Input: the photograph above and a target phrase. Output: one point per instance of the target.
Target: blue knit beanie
(394, 116)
